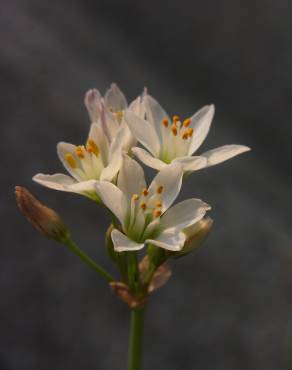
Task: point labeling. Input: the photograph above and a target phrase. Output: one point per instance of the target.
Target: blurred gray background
(229, 305)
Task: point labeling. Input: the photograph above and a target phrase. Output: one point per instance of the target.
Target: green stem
(136, 339)
(132, 271)
(89, 261)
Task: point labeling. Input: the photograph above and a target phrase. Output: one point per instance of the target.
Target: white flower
(143, 212)
(109, 112)
(169, 141)
(98, 160)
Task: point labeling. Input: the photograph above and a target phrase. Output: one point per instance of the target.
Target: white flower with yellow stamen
(176, 140)
(108, 111)
(97, 160)
(144, 213)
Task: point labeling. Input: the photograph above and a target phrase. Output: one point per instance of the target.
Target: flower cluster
(104, 169)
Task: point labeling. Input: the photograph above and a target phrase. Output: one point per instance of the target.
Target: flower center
(176, 137)
(178, 127)
(86, 161)
(144, 214)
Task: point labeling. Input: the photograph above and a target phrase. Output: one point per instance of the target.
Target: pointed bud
(45, 220)
(92, 102)
(123, 291)
(196, 235)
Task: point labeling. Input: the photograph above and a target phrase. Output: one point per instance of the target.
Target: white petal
(92, 102)
(223, 153)
(191, 163)
(115, 157)
(169, 240)
(128, 140)
(123, 243)
(154, 112)
(170, 178)
(115, 99)
(108, 122)
(184, 214)
(62, 182)
(113, 198)
(84, 187)
(97, 134)
(201, 122)
(146, 158)
(58, 181)
(62, 150)
(143, 132)
(131, 178)
(137, 107)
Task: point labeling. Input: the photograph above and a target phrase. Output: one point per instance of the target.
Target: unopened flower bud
(196, 235)
(45, 220)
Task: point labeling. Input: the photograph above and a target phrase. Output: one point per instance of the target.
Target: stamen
(174, 129)
(145, 192)
(187, 122)
(157, 213)
(135, 196)
(190, 131)
(92, 147)
(159, 190)
(185, 135)
(143, 205)
(175, 119)
(165, 122)
(158, 204)
(71, 160)
(79, 152)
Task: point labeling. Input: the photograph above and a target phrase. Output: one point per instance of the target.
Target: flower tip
(91, 96)
(212, 107)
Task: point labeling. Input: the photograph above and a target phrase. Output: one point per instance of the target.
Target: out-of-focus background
(229, 305)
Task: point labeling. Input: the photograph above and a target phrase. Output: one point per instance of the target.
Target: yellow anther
(157, 213)
(187, 122)
(158, 204)
(71, 160)
(185, 135)
(174, 130)
(143, 205)
(145, 192)
(79, 152)
(159, 190)
(165, 122)
(92, 147)
(135, 196)
(175, 119)
(190, 131)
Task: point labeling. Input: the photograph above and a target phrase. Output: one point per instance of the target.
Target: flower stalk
(73, 247)
(136, 339)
